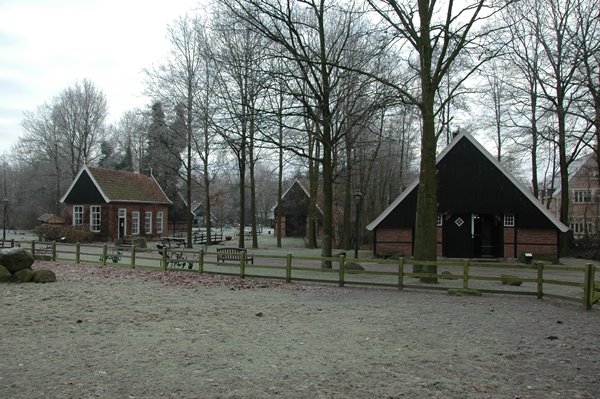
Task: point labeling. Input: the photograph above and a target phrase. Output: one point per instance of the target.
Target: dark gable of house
(84, 191)
(483, 211)
(469, 183)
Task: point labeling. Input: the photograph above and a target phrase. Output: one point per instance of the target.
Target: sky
(47, 46)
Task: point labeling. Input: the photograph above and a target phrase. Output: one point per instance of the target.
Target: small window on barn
(148, 224)
(95, 220)
(440, 220)
(135, 222)
(509, 220)
(77, 215)
(159, 222)
(583, 196)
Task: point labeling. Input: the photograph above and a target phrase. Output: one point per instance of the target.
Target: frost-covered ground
(116, 333)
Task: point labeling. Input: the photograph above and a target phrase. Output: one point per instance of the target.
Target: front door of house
(457, 239)
(122, 223)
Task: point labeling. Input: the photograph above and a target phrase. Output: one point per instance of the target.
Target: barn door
(457, 240)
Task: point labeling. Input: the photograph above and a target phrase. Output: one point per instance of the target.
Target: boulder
(44, 276)
(353, 266)
(24, 275)
(15, 259)
(5, 275)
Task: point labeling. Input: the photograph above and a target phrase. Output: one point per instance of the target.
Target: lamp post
(5, 202)
(358, 201)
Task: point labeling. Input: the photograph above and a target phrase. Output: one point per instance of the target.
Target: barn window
(77, 215)
(583, 196)
(95, 218)
(440, 220)
(148, 224)
(159, 222)
(135, 222)
(509, 220)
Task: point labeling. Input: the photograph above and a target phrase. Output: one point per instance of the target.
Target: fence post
(401, 274)
(341, 270)
(164, 259)
(242, 264)
(288, 268)
(540, 280)
(53, 251)
(133, 256)
(201, 261)
(466, 276)
(588, 286)
(33, 248)
(104, 254)
(77, 253)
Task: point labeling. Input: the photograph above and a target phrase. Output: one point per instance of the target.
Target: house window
(583, 196)
(77, 215)
(148, 220)
(135, 223)
(509, 220)
(159, 222)
(581, 227)
(440, 220)
(95, 218)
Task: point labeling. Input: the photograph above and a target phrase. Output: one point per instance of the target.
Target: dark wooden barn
(115, 204)
(295, 203)
(483, 211)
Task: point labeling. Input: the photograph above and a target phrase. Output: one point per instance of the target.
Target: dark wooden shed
(483, 211)
(295, 203)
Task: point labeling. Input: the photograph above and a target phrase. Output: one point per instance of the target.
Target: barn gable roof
(119, 186)
(517, 185)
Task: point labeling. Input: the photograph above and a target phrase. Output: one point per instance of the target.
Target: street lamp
(5, 202)
(358, 201)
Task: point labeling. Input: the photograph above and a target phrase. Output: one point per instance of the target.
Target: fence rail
(571, 283)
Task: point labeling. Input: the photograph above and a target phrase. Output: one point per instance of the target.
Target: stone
(463, 292)
(508, 279)
(5, 275)
(353, 266)
(24, 275)
(15, 259)
(44, 276)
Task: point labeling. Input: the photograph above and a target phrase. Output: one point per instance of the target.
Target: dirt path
(112, 333)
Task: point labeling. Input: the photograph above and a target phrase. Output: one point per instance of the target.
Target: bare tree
(80, 113)
(433, 34)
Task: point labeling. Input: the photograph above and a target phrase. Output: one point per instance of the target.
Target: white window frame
(135, 223)
(440, 220)
(78, 215)
(509, 220)
(159, 222)
(582, 196)
(148, 222)
(95, 218)
(578, 227)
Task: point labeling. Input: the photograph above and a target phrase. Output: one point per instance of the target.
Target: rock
(44, 276)
(507, 279)
(5, 275)
(15, 259)
(463, 292)
(353, 266)
(24, 275)
(446, 275)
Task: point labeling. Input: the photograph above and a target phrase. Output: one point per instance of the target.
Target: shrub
(61, 232)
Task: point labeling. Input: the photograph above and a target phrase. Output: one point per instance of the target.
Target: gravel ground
(118, 333)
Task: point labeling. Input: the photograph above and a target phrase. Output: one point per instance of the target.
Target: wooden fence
(542, 280)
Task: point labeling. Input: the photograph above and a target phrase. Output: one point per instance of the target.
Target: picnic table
(176, 242)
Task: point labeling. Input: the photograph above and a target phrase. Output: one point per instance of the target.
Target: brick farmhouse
(483, 211)
(115, 204)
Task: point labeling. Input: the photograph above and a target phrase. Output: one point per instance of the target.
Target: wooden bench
(233, 254)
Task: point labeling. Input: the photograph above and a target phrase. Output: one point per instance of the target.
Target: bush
(61, 232)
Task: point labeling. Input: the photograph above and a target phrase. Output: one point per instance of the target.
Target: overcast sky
(47, 46)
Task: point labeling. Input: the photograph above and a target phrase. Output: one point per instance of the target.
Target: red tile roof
(120, 186)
